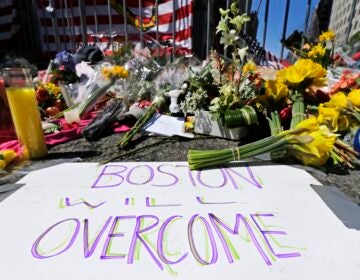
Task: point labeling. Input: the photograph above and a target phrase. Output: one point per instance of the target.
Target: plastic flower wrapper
(172, 77)
(103, 79)
(143, 69)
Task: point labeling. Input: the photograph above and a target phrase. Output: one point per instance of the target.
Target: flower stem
(138, 125)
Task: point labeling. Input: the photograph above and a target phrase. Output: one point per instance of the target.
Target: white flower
(229, 38)
(222, 26)
(242, 52)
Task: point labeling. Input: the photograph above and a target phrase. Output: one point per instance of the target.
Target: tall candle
(24, 111)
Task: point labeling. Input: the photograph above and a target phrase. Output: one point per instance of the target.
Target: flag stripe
(69, 24)
(8, 27)
(181, 13)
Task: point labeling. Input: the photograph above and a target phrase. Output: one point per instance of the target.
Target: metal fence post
(125, 22)
(174, 28)
(208, 29)
(265, 22)
(141, 24)
(306, 21)
(82, 11)
(284, 28)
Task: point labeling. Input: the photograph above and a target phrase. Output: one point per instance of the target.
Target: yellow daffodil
(327, 36)
(316, 148)
(354, 97)
(250, 66)
(329, 116)
(317, 51)
(338, 101)
(303, 73)
(275, 92)
(310, 124)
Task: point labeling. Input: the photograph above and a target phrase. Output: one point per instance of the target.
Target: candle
(24, 111)
(7, 131)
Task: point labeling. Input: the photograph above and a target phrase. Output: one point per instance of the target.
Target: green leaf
(1, 157)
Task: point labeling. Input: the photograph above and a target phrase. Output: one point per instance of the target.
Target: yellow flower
(250, 66)
(327, 36)
(316, 148)
(354, 97)
(310, 124)
(115, 72)
(329, 116)
(338, 101)
(6, 156)
(317, 51)
(275, 91)
(52, 88)
(106, 72)
(304, 72)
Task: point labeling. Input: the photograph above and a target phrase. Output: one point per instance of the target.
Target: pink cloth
(69, 132)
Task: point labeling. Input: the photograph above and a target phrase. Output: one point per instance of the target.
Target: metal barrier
(64, 32)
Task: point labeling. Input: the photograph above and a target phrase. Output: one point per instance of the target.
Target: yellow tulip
(354, 97)
(2, 164)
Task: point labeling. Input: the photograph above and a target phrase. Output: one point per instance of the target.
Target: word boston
(160, 220)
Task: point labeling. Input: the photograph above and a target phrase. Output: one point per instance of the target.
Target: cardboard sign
(161, 221)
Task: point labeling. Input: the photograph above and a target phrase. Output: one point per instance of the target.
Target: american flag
(260, 55)
(8, 26)
(60, 23)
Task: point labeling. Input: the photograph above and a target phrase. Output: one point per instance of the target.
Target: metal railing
(65, 32)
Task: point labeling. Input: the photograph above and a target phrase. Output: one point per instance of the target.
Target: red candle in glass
(7, 131)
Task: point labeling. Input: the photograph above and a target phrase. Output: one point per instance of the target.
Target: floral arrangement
(50, 99)
(304, 125)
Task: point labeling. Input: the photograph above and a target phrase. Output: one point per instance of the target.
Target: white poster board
(161, 221)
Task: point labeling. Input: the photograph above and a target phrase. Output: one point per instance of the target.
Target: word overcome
(217, 234)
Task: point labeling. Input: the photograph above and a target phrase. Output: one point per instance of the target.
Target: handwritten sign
(163, 221)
